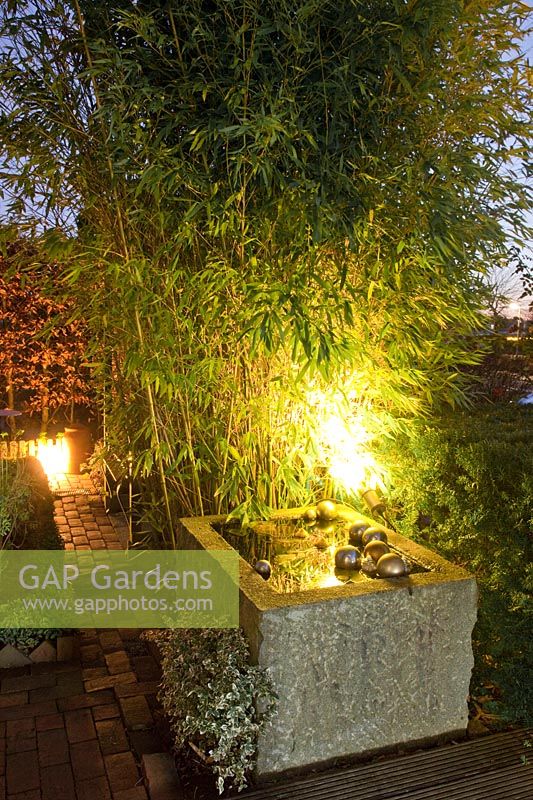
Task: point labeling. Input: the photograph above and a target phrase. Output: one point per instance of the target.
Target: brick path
(85, 729)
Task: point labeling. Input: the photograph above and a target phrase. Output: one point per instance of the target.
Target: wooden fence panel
(20, 448)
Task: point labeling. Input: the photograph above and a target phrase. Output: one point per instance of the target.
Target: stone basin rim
(256, 589)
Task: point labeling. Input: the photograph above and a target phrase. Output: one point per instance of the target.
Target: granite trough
(358, 668)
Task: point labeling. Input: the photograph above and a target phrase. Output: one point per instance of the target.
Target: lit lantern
(53, 455)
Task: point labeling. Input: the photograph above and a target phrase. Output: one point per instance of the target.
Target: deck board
(495, 767)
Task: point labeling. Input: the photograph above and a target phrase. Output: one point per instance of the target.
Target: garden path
(89, 728)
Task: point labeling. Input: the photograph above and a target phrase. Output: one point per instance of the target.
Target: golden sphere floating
(373, 533)
(310, 514)
(263, 568)
(391, 565)
(356, 531)
(375, 549)
(347, 557)
(326, 510)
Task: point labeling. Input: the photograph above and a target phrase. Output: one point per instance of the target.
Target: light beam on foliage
(345, 443)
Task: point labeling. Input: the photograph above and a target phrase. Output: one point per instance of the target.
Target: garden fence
(20, 448)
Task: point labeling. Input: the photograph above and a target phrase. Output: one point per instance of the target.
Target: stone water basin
(358, 667)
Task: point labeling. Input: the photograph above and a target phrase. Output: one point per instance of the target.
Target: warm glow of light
(327, 581)
(350, 463)
(54, 455)
(345, 443)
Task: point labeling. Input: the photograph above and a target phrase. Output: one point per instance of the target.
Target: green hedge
(464, 486)
(27, 639)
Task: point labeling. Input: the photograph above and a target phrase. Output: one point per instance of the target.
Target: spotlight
(374, 502)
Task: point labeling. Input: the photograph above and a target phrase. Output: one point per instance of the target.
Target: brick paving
(83, 729)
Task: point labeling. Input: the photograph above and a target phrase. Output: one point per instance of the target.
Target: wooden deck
(494, 767)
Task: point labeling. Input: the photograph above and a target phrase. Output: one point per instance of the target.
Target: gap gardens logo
(105, 589)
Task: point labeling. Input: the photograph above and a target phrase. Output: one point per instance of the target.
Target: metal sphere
(347, 557)
(310, 514)
(373, 533)
(326, 510)
(356, 532)
(391, 565)
(263, 568)
(376, 548)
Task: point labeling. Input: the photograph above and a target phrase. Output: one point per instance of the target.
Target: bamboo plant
(262, 203)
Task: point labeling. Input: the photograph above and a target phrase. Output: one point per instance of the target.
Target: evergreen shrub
(463, 485)
(215, 700)
(27, 639)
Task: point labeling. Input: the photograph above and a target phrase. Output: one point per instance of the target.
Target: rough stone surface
(358, 668)
(79, 725)
(21, 683)
(112, 736)
(14, 699)
(50, 747)
(109, 681)
(22, 772)
(44, 652)
(11, 657)
(137, 793)
(57, 783)
(53, 747)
